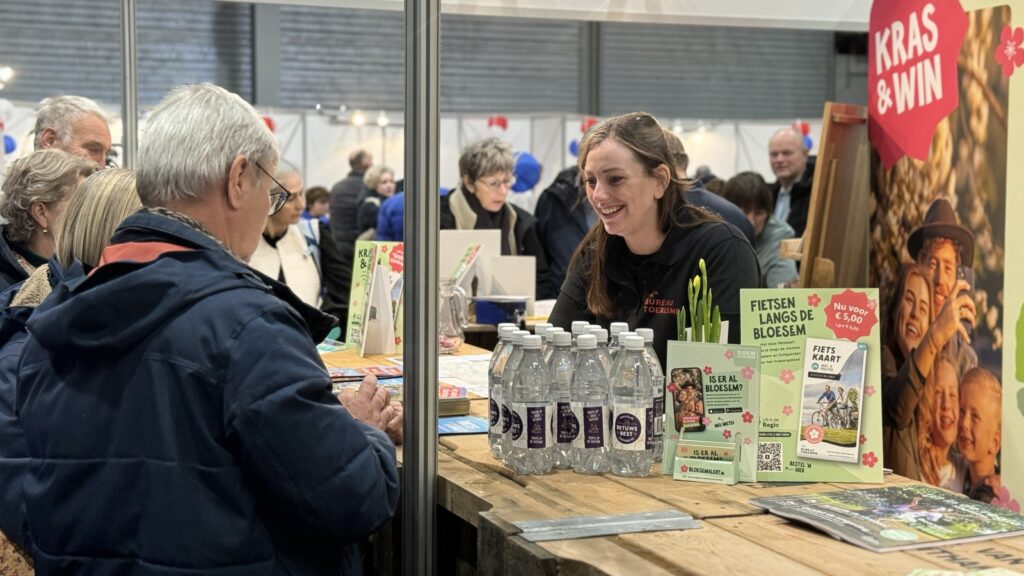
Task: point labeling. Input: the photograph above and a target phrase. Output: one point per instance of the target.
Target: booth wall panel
(713, 72)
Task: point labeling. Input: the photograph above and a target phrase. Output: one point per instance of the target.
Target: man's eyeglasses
(277, 199)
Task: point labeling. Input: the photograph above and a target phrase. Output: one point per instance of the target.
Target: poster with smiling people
(940, 93)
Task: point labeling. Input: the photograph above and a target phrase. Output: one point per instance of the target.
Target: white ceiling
(848, 15)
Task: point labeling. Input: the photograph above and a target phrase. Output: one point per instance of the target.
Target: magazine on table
(893, 518)
(830, 406)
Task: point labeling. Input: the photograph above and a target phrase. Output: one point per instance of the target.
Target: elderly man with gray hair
(177, 414)
(74, 124)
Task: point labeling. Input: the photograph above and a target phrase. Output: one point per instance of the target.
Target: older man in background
(75, 125)
(794, 173)
(176, 411)
(345, 196)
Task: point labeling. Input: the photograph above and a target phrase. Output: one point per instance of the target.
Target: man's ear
(663, 175)
(48, 138)
(236, 173)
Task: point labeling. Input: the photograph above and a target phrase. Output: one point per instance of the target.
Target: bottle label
(594, 426)
(530, 425)
(495, 415)
(659, 416)
(568, 423)
(649, 432)
(629, 426)
(506, 419)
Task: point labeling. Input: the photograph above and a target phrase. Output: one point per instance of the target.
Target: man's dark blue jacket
(179, 420)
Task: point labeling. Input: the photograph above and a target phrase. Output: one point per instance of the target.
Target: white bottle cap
(633, 342)
(623, 336)
(646, 333)
(517, 336)
(617, 327)
(561, 338)
(505, 332)
(586, 342)
(541, 329)
(579, 326)
(503, 324)
(554, 329)
(601, 334)
(531, 342)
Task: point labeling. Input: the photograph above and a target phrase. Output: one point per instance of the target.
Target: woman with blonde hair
(380, 185)
(94, 212)
(35, 194)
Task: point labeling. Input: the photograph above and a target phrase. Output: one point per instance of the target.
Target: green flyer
(780, 321)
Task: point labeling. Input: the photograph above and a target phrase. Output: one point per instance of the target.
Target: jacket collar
(465, 217)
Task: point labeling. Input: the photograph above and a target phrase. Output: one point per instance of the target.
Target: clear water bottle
(602, 347)
(632, 411)
(551, 339)
(614, 329)
(541, 330)
(560, 370)
(494, 372)
(578, 327)
(514, 357)
(658, 382)
(531, 434)
(588, 398)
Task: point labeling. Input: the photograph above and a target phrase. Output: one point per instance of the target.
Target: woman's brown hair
(640, 133)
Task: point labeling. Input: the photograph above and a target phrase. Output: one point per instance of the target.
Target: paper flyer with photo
(779, 322)
(830, 408)
(711, 394)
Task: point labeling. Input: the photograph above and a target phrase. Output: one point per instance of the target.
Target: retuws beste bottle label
(594, 432)
(530, 425)
(568, 424)
(630, 426)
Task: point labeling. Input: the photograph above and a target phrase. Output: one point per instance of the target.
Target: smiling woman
(634, 265)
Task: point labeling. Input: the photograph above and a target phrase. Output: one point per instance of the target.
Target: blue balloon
(9, 144)
(808, 143)
(574, 147)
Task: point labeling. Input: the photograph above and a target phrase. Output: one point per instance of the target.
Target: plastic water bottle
(578, 327)
(658, 381)
(632, 411)
(560, 370)
(514, 357)
(614, 329)
(531, 435)
(541, 330)
(589, 401)
(602, 347)
(494, 372)
(551, 339)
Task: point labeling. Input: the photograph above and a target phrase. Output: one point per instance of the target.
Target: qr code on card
(769, 457)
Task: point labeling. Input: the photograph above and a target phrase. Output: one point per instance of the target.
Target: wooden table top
(735, 537)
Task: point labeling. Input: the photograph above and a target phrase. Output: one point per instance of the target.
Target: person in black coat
(479, 203)
(563, 218)
(794, 170)
(345, 197)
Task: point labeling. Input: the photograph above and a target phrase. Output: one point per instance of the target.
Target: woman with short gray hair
(35, 193)
(479, 203)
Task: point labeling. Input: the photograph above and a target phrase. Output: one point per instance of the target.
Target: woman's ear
(468, 184)
(664, 177)
(38, 211)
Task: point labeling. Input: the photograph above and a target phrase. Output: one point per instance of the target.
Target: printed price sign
(851, 315)
(912, 73)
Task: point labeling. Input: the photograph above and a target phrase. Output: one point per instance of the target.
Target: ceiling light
(358, 118)
(6, 73)
(382, 119)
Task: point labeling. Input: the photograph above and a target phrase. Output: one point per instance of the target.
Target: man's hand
(372, 404)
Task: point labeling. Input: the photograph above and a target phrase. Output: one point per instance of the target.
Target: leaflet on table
(711, 394)
(780, 321)
(356, 374)
(904, 517)
(469, 372)
(830, 410)
(461, 425)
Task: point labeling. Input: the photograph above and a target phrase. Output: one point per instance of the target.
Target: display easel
(834, 248)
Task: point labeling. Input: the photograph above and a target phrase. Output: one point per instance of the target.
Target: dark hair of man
(640, 133)
(317, 194)
(749, 191)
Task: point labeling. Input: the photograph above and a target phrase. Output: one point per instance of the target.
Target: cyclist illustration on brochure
(833, 379)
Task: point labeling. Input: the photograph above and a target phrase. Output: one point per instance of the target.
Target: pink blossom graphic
(869, 390)
(707, 370)
(706, 421)
(863, 439)
(1003, 498)
(684, 450)
(728, 354)
(813, 300)
(747, 372)
(748, 417)
(787, 410)
(684, 468)
(1010, 52)
(786, 376)
(726, 433)
(672, 387)
(747, 440)
(869, 459)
